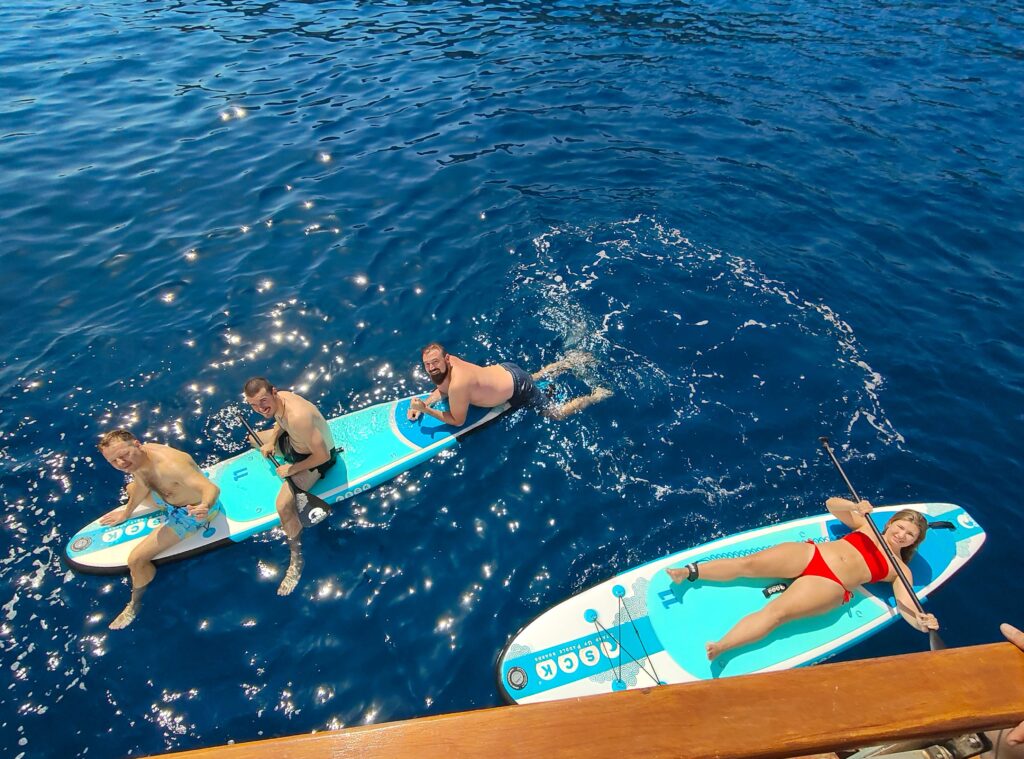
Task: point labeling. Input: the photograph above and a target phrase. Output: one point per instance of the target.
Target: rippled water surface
(768, 221)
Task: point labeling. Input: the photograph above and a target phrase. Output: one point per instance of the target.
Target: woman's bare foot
(678, 575)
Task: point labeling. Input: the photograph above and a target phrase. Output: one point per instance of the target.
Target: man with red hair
(168, 479)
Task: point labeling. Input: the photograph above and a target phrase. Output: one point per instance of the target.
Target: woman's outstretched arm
(849, 512)
(905, 605)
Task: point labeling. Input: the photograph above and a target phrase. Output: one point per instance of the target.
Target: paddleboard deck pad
(379, 443)
(639, 629)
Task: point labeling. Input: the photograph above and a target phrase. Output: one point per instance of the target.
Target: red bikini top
(878, 565)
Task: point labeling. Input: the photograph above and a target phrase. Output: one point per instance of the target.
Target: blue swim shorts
(183, 523)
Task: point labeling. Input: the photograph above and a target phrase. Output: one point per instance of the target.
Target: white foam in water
(576, 268)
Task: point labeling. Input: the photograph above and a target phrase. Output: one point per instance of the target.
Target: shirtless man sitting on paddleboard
(301, 437)
(164, 477)
(466, 384)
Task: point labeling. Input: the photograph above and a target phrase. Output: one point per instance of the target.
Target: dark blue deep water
(769, 221)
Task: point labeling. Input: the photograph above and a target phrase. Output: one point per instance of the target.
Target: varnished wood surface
(771, 716)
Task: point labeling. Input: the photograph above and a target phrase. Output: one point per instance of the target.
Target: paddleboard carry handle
(775, 589)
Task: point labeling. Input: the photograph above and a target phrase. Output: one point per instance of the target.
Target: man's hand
(115, 516)
(285, 470)
(927, 621)
(199, 512)
(267, 449)
(1016, 637)
(416, 409)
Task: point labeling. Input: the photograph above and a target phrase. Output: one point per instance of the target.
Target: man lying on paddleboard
(824, 576)
(465, 384)
(168, 479)
(302, 438)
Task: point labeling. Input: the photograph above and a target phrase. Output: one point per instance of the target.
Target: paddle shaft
(874, 528)
(273, 458)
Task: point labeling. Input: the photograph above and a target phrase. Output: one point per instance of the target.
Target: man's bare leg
(131, 609)
(293, 530)
(573, 359)
(295, 565)
(140, 564)
(568, 408)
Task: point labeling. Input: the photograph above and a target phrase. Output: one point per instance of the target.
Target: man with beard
(303, 438)
(466, 384)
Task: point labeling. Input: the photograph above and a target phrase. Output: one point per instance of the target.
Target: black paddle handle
(259, 440)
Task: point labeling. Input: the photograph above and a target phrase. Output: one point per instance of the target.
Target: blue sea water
(769, 222)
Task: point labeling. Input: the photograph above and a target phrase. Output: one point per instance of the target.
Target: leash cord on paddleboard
(623, 607)
(618, 642)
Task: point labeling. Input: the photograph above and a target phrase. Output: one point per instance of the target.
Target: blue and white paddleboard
(379, 443)
(636, 630)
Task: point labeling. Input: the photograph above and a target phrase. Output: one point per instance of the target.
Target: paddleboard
(638, 630)
(379, 443)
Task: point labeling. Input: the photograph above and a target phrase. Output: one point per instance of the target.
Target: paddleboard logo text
(133, 528)
(568, 659)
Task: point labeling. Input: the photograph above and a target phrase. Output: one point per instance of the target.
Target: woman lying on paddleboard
(824, 575)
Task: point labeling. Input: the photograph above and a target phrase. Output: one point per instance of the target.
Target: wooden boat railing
(798, 712)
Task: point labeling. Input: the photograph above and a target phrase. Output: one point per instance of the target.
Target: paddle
(934, 641)
(310, 508)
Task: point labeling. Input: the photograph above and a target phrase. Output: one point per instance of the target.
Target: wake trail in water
(732, 372)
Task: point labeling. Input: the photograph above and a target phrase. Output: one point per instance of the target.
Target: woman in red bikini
(824, 576)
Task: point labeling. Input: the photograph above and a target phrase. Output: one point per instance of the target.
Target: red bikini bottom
(817, 567)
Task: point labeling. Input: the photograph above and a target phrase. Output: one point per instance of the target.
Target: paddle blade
(311, 509)
(935, 642)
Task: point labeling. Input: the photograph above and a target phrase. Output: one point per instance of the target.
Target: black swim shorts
(290, 455)
(524, 390)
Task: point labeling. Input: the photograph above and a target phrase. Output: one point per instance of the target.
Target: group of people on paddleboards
(822, 576)
(300, 437)
(301, 444)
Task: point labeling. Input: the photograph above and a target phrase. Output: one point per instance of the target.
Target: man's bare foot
(125, 618)
(713, 650)
(601, 393)
(291, 577)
